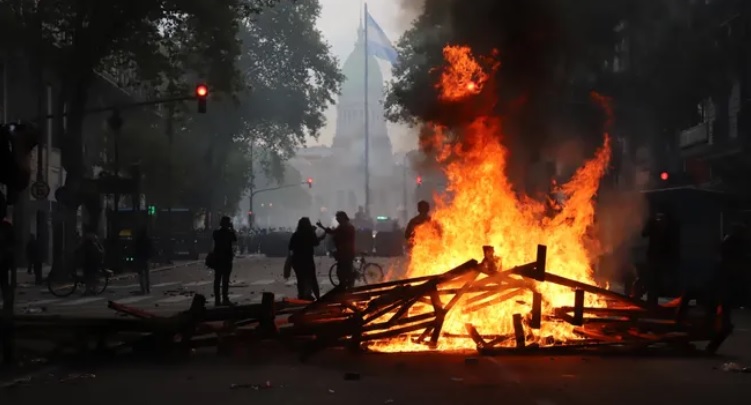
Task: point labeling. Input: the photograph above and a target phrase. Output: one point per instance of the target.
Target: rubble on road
(412, 310)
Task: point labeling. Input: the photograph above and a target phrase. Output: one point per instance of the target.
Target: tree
(159, 39)
(288, 77)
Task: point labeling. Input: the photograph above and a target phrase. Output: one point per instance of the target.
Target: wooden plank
(519, 331)
(536, 321)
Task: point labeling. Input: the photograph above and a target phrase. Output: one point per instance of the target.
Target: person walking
(302, 246)
(143, 253)
(34, 259)
(224, 240)
(344, 241)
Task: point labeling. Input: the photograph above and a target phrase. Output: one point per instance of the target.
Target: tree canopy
(286, 78)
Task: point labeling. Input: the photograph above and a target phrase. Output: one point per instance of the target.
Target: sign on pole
(40, 190)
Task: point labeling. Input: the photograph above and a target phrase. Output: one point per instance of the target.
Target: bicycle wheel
(372, 273)
(333, 277)
(101, 281)
(62, 283)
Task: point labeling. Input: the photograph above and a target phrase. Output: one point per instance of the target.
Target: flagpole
(367, 123)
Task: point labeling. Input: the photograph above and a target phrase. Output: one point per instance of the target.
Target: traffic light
(664, 176)
(202, 92)
(419, 180)
(151, 210)
(310, 182)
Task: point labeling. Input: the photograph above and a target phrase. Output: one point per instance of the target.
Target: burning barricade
(422, 313)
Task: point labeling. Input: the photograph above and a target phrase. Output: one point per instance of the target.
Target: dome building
(339, 171)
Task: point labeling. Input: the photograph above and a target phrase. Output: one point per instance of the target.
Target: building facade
(339, 170)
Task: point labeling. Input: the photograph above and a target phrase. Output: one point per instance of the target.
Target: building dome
(354, 72)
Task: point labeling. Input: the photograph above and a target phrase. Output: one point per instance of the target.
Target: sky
(339, 22)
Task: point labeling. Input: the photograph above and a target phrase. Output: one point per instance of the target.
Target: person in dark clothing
(423, 217)
(34, 259)
(92, 256)
(302, 245)
(143, 252)
(663, 252)
(730, 279)
(344, 241)
(7, 259)
(224, 240)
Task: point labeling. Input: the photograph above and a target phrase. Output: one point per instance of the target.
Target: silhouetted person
(302, 246)
(423, 217)
(663, 252)
(144, 250)
(344, 242)
(731, 278)
(92, 256)
(224, 239)
(7, 259)
(34, 259)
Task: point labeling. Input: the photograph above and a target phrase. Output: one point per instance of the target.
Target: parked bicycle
(64, 282)
(367, 272)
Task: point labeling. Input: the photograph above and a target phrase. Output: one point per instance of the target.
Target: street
(271, 374)
(173, 289)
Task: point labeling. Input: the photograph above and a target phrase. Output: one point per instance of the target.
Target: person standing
(423, 217)
(143, 252)
(302, 246)
(34, 259)
(344, 242)
(224, 240)
(92, 257)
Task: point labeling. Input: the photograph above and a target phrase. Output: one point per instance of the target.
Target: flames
(484, 209)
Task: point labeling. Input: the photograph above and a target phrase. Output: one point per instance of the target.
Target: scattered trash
(471, 361)
(255, 387)
(331, 391)
(734, 367)
(75, 377)
(388, 401)
(15, 383)
(34, 310)
(350, 376)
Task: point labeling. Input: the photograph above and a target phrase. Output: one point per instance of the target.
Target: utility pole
(251, 186)
(170, 138)
(42, 148)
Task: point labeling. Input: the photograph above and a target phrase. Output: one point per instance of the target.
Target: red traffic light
(202, 90)
(664, 176)
(310, 182)
(419, 180)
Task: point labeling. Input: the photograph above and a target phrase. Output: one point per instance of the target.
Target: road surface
(270, 374)
(172, 289)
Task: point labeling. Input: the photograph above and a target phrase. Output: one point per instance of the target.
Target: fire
(463, 75)
(484, 209)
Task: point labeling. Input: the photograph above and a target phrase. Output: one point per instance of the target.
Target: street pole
(115, 123)
(404, 189)
(170, 139)
(251, 213)
(42, 147)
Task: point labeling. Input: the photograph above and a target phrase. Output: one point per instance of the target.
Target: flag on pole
(378, 43)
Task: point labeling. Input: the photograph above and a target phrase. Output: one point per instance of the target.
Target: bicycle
(368, 272)
(62, 284)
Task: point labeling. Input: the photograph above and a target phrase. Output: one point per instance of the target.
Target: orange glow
(485, 209)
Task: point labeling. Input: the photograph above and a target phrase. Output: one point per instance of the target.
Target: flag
(378, 43)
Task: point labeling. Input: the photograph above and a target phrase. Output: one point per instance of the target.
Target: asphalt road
(270, 374)
(172, 289)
